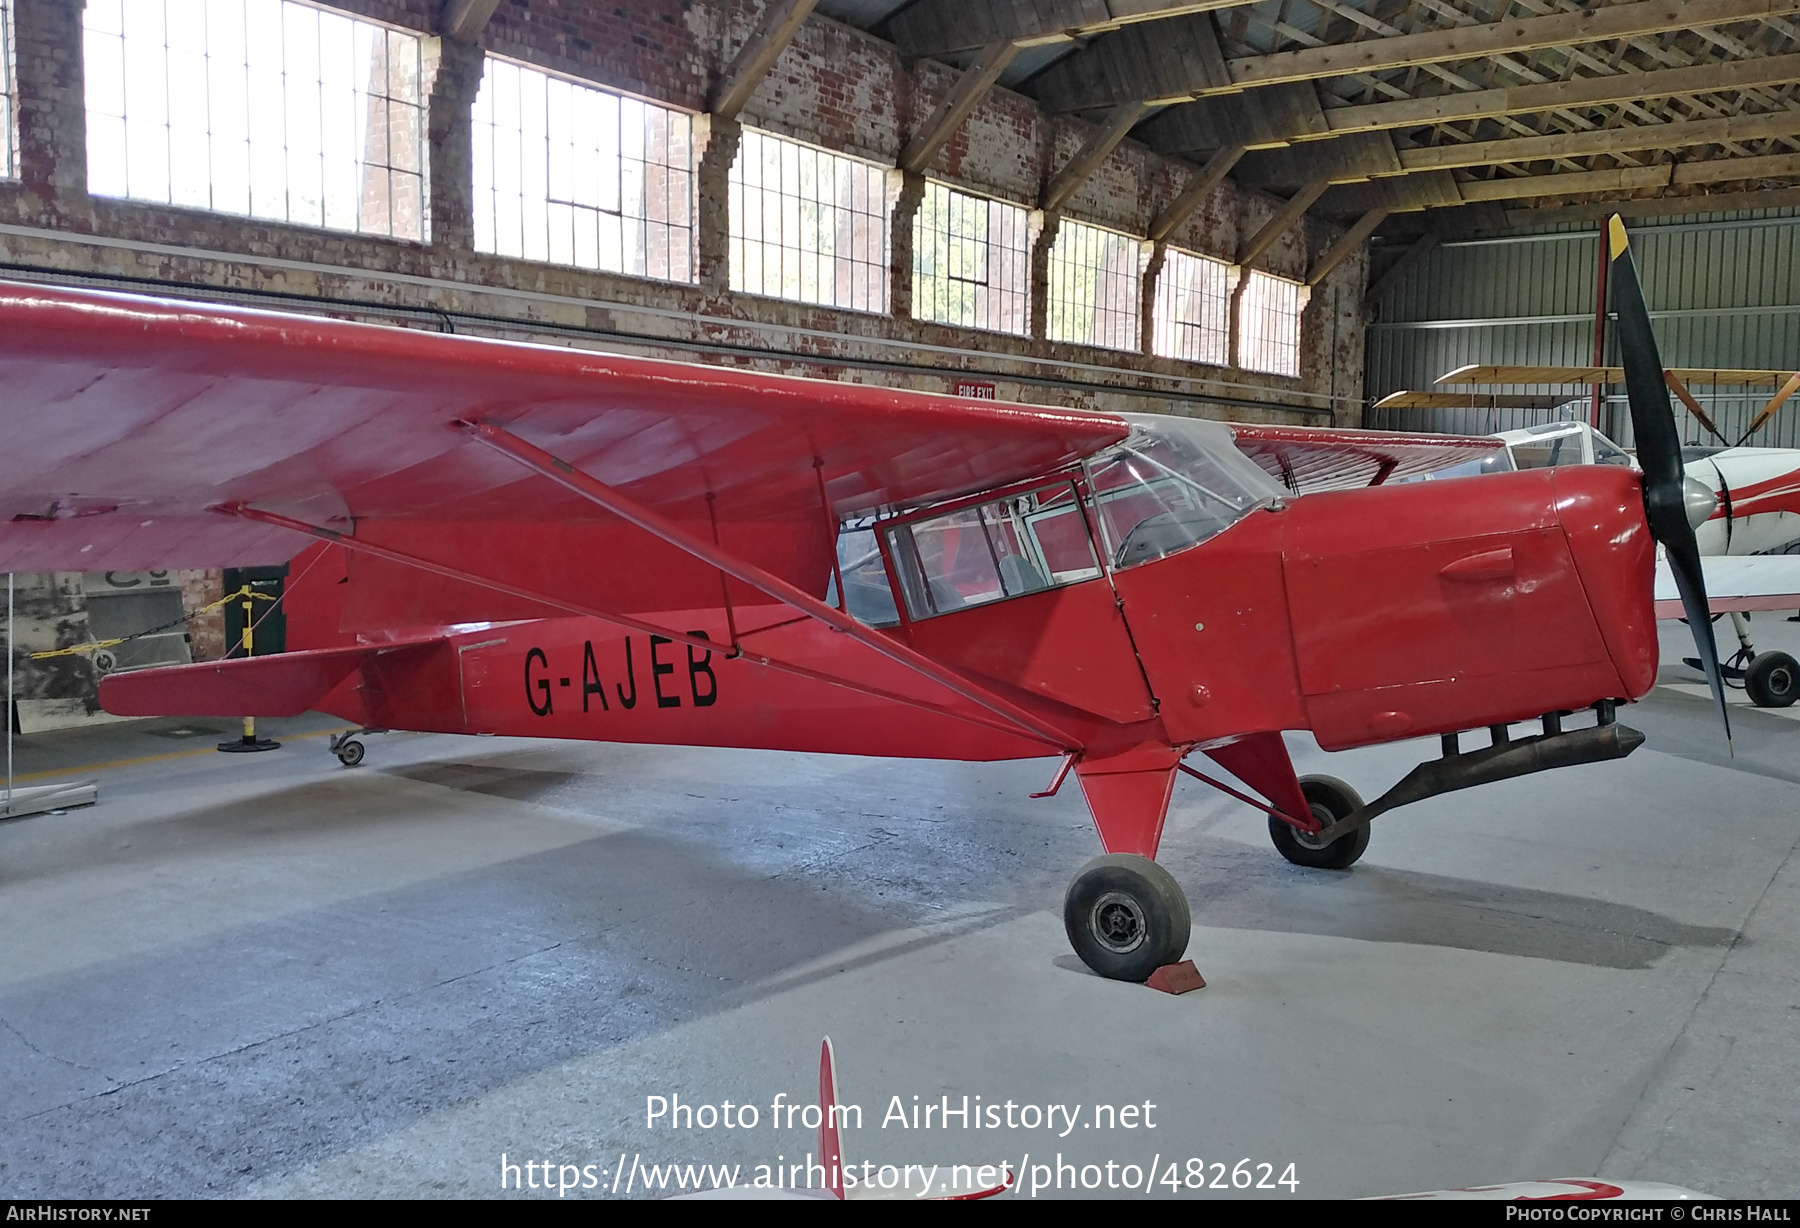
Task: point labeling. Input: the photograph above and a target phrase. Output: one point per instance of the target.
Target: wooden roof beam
(1282, 222)
(1663, 206)
(1603, 141)
(1210, 176)
(1496, 38)
(780, 21)
(1340, 251)
(976, 81)
(1194, 128)
(941, 27)
(1092, 153)
(464, 20)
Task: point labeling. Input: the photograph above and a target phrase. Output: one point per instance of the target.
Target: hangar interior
(263, 975)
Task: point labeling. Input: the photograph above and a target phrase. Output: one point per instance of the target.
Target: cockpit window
(1606, 452)
(1173, 482)
(1009, 547)
(867, 596)
(1549, 451)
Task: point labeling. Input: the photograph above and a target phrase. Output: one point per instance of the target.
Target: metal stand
(249, 744)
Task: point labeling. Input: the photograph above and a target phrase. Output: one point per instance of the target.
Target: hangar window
(808, 224)
(268, 108)
(1269, 324)
(971, 261)
(1096, 281)
(572, 174)
(1193, 309)
(8, 142)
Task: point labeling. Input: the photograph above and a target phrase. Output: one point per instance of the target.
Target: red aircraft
(537, 541)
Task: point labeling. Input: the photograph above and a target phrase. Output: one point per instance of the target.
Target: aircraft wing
(128, 421)
(1737, 582)
(1308, 459)
(1736, 377)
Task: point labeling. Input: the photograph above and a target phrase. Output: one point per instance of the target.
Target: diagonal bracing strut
(569, 477)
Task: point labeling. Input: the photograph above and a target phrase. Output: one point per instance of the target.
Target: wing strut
(737, 650)
(595, 491)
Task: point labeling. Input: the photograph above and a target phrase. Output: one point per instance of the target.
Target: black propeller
(1659, 454)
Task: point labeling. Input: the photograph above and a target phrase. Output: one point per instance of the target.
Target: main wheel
(1331, 799)
(351, 752)
(1126, 917)
(1773, 680)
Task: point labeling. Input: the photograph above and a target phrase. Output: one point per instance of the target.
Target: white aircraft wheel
(350, 752)
(1126, 917)
(1331, 799)
(1773, 680)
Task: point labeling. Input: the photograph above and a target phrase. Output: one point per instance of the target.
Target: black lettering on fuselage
(628, 701)
(539, 684)
(710, 696)
(658, 669)
(591, 683)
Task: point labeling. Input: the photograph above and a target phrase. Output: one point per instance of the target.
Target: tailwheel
(1773, 680)
(1331, 799)
(1126, 916)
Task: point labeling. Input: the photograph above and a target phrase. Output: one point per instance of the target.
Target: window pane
(269, 108)
(577, 175)
(1193, 308)
(1011, 547)
(808, 224)
(971, 262)
(1095, 285)
(1269, 327)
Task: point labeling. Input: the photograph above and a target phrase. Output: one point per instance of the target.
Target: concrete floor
(268, 975)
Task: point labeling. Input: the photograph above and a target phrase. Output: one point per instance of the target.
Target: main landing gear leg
(1125, 915)
(1770, 679)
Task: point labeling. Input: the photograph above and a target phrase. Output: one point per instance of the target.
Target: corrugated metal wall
(1723, 290)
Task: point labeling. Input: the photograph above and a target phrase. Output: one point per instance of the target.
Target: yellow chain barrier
(208, 608)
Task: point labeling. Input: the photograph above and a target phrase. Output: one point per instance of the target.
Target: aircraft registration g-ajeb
(537, 541)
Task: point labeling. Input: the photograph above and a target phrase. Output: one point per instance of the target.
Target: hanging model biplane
(547, 542)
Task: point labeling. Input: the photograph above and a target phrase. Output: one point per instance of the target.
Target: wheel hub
(1117, 923)
(1310, 840)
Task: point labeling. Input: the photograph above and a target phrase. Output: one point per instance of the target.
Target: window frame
(1171, 328)
(234, 147)
(1132, 342)
(1302, 295)
(877, 272)
(994, 253)
(525, 205)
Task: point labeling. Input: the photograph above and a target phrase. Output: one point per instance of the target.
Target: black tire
(1126, 917)
(1773, 680)
(1331, 799)
(351, 753)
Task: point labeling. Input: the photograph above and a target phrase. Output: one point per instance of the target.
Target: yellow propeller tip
(1616, 241)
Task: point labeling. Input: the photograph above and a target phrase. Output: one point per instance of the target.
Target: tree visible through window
(971, 261)
(808, 224)
(1096, 278)
(262, 107)
(574, 174)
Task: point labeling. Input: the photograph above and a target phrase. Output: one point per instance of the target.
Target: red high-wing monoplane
(536, 541)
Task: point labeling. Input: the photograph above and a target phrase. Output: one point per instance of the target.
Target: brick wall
(834, 85)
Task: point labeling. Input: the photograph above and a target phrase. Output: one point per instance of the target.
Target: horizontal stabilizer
(1737, 582)
(285, 684)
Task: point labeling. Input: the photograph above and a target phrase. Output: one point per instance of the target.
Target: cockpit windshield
(1172, 483)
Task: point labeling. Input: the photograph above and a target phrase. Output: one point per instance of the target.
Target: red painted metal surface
(657, 489)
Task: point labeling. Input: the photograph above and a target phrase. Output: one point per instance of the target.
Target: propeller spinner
(1659, 455)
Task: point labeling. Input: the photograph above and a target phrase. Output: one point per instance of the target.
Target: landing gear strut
(1126, 917)
(347, 746)
(1770, 679)
(1330, 799)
